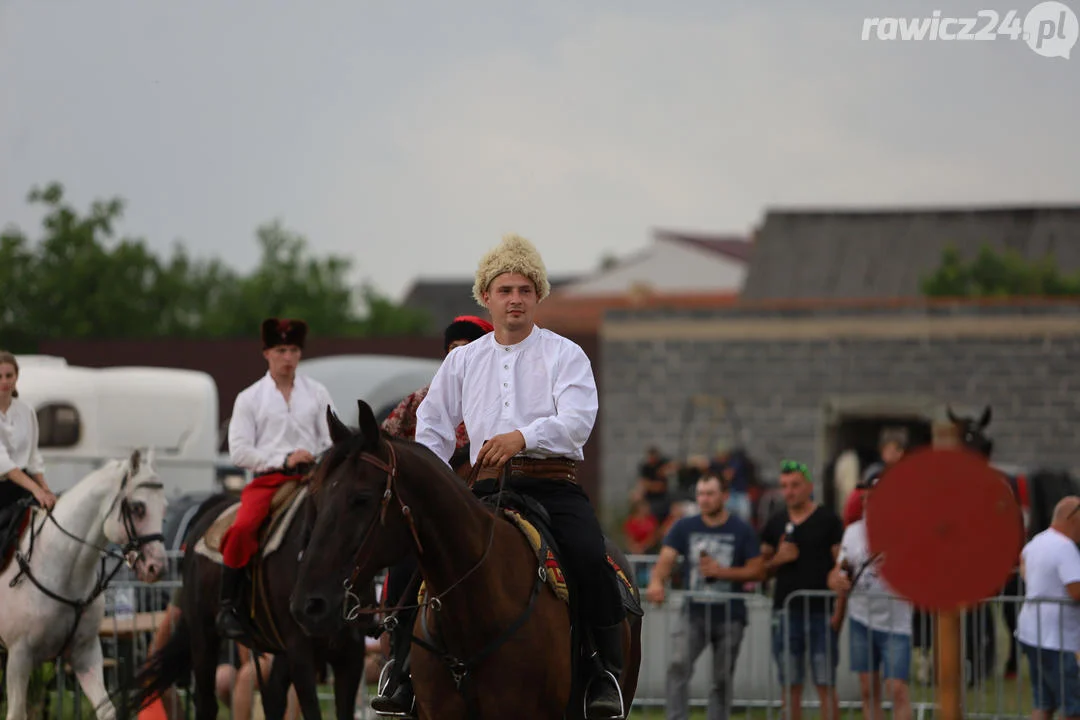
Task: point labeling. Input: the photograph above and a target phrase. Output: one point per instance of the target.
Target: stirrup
(384, 677)
(384, 681)
(610, 677)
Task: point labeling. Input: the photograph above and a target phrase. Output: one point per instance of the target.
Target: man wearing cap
(396, 696)
(278, 426)
(529, 400)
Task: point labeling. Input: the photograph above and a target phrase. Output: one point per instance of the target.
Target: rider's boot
(604, 700)
(230, 624)
(396, 698)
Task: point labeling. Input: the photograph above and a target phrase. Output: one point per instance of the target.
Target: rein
(459, 669)
(351, 608)
(128, 556)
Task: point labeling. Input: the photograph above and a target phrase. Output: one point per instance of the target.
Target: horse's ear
(136, 458)
(338, 431)
(952, 418)
(985, 419)
(369, 428)
(150, 457)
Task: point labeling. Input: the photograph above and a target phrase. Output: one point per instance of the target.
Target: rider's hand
(654, 593)
(45, 498)
(299, 457)
(500, 448)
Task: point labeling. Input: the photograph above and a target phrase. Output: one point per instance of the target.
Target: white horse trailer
(380, 380)
(89, 415)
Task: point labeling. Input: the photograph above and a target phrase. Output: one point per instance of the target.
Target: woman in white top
(22, 471)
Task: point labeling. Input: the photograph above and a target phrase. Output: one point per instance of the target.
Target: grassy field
(999, 699)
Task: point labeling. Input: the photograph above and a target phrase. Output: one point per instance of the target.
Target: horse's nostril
(315, 608)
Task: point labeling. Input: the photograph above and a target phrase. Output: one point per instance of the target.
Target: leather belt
(554, 468)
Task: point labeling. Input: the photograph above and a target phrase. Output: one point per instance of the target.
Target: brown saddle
(283, 510)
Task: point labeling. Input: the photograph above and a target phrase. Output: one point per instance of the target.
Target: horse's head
(359, 529)
(972, 432)
(137, 514)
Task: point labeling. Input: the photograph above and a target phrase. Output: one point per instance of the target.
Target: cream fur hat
(514, 254)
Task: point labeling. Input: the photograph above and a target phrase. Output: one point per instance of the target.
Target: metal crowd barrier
(135, 610)
(753, 688)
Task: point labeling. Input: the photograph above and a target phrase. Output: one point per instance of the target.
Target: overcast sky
(411, 135)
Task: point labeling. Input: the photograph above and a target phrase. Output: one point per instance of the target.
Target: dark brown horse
(194, 645)
(498, 627)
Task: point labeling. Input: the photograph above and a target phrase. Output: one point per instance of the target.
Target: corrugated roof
(864, 253)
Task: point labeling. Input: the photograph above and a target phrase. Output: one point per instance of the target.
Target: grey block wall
(778, 383)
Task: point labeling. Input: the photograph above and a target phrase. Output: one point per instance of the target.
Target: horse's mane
(338, 453)
(341, 451)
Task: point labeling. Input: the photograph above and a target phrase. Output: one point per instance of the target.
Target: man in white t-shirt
(880, 627)
(1048, 627)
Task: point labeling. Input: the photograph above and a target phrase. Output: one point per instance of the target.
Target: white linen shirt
(542, 386)
(19, 439)
(264, 429)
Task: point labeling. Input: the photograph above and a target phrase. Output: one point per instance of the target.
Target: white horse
(57, 605)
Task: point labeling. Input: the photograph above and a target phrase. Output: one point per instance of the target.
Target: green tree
(81, 281)
(992, 274)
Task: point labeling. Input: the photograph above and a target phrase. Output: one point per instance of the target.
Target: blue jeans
(1055, 679)
(878, 651)
(789, 646)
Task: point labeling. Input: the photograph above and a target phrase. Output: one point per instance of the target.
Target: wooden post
(950, 673)
(948, 659)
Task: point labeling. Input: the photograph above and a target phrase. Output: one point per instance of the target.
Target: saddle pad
(283, 510)
(555, 578)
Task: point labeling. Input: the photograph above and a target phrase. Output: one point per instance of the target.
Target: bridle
(351, 608)
(459, 669)
(130, 553)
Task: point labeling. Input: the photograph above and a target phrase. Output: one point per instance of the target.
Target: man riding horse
(278, 426)
(528, 398)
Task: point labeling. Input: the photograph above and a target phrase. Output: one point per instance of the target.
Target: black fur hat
(283, 331)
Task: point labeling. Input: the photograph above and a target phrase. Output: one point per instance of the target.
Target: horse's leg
(348, 673)
(87, 661)
(275, 700)
(302, 672)
(19, 667)
(205, 645)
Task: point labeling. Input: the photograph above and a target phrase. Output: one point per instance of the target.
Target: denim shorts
(878, 651)
(789, 652)
(1055, 679)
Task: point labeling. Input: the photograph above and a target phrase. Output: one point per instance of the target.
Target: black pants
(10, 495)
(397, 581)
(581, 545)
(11, 492)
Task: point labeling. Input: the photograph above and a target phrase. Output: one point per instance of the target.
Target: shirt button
(506, 367)
(505, 384)
(507, 403)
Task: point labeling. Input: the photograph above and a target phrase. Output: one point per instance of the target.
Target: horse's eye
(357, 501)
(138, 510)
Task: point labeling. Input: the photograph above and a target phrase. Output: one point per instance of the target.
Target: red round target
(948, 527)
